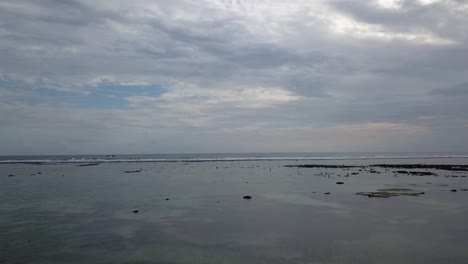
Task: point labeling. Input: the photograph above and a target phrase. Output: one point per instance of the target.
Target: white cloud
(194, 99)
(349, 27)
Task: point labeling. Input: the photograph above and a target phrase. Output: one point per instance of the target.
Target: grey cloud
(337, 79)
(456, 90)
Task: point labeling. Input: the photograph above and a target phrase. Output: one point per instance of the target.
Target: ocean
(235, 208)
(229, 157)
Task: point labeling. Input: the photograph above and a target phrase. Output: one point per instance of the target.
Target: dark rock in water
(327, 193)
(167, 199)
(454, 190)
(88, 164)
(402, 172)
(136, 211)
(464, 190)
(340, 183)
(133, 171)
(422, 173)
(11, 175)
(247, 197)
(387, 193)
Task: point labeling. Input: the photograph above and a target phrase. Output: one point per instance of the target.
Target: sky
(184, 76)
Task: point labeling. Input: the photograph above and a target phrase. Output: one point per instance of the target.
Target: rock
(247, 197)
(327, 193)
(454, 190)
(464, 190)
(89, 164)
(167, 199)
(11, 175)
(387, 193)
(422, 173)
(133, 171)
(402, 172)
(136, 211)
(340, 183)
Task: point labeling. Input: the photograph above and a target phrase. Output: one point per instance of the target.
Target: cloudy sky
(184, 76)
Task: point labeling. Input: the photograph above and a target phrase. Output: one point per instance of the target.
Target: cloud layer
(83, 76)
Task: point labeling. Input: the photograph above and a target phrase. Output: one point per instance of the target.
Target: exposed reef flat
(424, 166)
(391, 166)
(322, 166)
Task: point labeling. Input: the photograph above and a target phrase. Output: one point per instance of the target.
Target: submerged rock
(136, 211)
(387, 193)
(247, 197)
(133, 171)
(89, 164)
(401, 172)
(327, 193)
(11, 175)
(422, 173)
(454, 190)
(340, 183)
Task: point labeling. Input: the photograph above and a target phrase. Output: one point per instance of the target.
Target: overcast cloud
(90, 76)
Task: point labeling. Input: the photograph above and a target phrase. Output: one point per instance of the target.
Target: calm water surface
(193, 212)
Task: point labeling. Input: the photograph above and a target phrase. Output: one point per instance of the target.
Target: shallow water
(73, 214)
